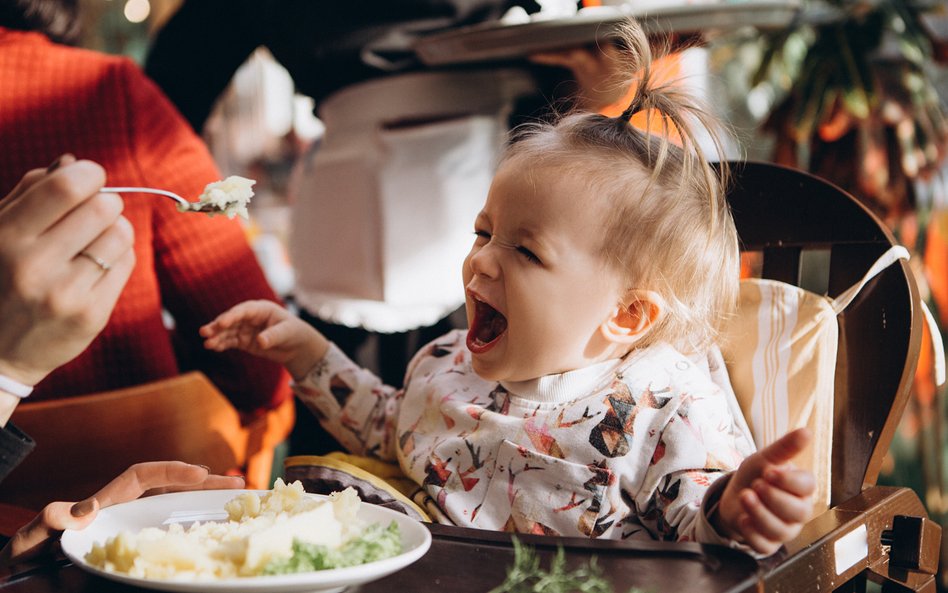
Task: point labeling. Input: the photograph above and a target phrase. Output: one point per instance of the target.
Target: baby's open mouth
(487, 327)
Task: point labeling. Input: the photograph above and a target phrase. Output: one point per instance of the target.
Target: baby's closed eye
(528, 254)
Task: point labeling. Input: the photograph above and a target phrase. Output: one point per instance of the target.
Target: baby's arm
(265, 329)
(350, 402)
(767, 500)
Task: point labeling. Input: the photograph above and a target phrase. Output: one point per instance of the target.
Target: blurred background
(855, 92)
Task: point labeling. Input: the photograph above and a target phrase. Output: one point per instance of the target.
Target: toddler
(603, 259)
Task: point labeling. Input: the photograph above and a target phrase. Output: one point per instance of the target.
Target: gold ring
(103, 265)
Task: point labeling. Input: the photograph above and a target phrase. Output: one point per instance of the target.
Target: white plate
(187, 507)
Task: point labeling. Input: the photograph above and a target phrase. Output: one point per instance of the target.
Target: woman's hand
(265, 329)
(597, 70)
(53, 299)
(141, 479)
(767, 500)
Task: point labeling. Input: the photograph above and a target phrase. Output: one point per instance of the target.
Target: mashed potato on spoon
(229, 196)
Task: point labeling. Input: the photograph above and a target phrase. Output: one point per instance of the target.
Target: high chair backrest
(813, 234)
(83, 442)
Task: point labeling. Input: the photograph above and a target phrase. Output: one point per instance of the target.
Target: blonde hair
(671, 230)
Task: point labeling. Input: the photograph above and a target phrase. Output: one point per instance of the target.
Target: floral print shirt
(620, 449)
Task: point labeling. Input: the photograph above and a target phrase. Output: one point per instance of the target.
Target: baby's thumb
(274, 335)
(786, 447)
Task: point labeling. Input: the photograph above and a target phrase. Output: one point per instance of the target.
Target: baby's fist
(767, 500)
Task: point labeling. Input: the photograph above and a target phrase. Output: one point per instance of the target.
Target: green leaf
(526, 575)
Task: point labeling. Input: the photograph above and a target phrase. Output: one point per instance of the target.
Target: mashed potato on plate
(271, 534)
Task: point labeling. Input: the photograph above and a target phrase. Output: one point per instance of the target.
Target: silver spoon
(183, 205)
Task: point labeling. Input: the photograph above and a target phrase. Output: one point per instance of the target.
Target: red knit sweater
(56, 99)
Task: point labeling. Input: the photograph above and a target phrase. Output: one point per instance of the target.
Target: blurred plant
(860, 107)
(527, 576)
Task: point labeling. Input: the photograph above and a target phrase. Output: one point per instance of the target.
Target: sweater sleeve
(204, 265)
(15, 445)
(692, 449)
(352, 404)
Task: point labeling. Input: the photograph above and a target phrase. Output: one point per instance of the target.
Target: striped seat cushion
(780, 352)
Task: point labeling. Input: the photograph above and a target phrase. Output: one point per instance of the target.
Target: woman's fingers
(26, 182)
(567, 58)
(86, 222)
(98, 260)
(43, 202)
(151, 477)
(211, 482)
(85, 291)
(108, 287)
(35, 175)
(33, 538)
(62, 161)
(142, 477)
(162, 476)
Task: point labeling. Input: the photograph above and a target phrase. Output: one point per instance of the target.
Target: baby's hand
(266, 329)
(767, 500)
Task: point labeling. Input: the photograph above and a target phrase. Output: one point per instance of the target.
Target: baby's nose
(485, 261)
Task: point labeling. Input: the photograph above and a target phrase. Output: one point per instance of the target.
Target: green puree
(375, 543)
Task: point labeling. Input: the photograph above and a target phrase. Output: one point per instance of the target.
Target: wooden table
(475, 561)
(468, 560)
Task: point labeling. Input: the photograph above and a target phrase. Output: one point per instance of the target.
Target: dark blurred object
(57, 19)
(325, 46)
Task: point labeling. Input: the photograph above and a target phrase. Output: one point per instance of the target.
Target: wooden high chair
(808, 233)
(83, 442)
(881, 533)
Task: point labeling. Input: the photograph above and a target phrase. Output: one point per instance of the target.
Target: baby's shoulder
(662, 367)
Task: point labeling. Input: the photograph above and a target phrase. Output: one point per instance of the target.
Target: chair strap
(892, 255)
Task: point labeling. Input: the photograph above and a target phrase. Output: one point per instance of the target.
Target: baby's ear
(633, 317)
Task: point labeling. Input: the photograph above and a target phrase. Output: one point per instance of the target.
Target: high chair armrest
(846, 540)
